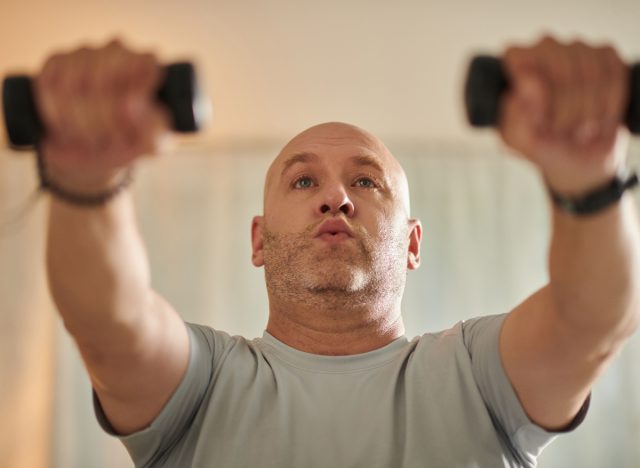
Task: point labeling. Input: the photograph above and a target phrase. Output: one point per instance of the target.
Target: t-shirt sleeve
(481, 338)
(149, 445)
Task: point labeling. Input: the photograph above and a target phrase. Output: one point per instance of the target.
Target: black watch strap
(598, 199)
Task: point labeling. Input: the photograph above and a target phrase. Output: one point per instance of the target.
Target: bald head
(329, 139)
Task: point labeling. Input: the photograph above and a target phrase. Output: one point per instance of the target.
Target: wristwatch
(598, 199)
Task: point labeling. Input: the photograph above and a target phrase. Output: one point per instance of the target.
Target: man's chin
(340, 279)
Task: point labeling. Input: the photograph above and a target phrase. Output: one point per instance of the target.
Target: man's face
(336, 215)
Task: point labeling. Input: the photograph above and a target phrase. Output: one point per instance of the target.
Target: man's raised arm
(98, 111)
(564, 114)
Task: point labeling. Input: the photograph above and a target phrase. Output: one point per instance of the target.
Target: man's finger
(617, 88)
(591, 93)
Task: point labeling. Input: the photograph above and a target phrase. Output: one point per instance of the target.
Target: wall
(273, 68)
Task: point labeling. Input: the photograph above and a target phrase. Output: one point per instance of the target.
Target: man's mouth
(334, 237)
(334, 230)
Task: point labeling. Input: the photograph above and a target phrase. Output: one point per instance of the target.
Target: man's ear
(257, 225)
(415, 236)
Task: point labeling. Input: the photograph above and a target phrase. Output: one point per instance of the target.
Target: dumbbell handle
(178, 91)
(487, 81)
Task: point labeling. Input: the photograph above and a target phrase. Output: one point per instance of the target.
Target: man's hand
(99, 113)
(564, 112)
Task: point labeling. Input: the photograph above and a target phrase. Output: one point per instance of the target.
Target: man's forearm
(97, 268)
(594, 268)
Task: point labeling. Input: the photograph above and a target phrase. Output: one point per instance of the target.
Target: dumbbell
(486, 82)
(179, 92)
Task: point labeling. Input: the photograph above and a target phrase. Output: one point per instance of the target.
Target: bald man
(334, 381)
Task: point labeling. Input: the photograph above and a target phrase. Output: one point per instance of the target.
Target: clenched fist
(99, 110)
(564, 112)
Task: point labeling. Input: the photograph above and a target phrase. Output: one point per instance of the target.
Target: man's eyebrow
(367, 160)
(358, 160)
(298, 158)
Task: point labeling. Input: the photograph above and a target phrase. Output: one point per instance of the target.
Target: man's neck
(334, 328)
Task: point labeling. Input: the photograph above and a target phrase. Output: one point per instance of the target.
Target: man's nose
(336, 200)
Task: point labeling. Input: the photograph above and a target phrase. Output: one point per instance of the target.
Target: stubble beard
(356, 272)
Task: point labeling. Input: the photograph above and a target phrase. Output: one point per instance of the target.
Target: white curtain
(484, 249)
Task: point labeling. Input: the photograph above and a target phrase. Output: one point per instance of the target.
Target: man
(334, 381)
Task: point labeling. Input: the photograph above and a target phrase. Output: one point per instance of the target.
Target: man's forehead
(332, 139)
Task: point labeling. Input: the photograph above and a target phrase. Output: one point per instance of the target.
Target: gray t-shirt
(438, 400)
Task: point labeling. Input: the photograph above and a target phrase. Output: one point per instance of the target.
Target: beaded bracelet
(74, 198)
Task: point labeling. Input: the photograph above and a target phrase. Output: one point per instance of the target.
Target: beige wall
(27, 348)
(274, 67)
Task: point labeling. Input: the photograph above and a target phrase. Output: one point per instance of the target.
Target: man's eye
(303, 182)
(365, 182)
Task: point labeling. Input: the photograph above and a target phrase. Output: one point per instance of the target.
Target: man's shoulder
(465, 329)
(215, 342)
(460, 341)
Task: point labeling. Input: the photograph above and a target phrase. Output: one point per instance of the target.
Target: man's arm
(134, 345)
(555, 344)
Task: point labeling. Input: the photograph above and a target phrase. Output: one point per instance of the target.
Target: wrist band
(75, 198)
(598, 199)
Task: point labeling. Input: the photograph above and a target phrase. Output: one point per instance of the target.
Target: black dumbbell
(486, 81)
(179, 92)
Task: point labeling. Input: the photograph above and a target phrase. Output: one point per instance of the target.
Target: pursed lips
(334, 230)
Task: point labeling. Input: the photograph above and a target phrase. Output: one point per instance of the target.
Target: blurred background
(272, 69)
